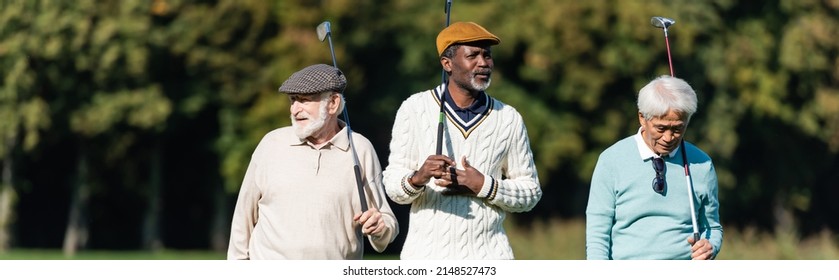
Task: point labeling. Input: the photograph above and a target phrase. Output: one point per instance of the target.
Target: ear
(641, 119)
(446, 63)
(334, 104)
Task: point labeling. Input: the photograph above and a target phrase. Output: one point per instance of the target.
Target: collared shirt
(298, 201)
(471, 111)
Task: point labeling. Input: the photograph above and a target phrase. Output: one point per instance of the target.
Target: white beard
(479, 87)
(314, 126)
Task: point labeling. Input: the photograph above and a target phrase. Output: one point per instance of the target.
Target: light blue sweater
(626, 219)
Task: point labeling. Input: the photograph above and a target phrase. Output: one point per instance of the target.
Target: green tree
(23, 107)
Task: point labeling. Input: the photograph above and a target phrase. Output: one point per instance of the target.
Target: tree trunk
(75, 237)
(7, 198)
(151, 223)
(784, 220)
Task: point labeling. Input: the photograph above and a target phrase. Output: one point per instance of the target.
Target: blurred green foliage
(118, 80)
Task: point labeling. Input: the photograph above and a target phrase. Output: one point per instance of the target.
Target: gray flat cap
(315, 79)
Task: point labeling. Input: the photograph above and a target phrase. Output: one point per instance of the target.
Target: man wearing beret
(299, 198)
(459, 199)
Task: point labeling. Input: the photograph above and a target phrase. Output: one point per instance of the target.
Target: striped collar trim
(465, 127)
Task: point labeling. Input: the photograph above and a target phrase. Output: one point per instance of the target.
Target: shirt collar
(644, 151)
(477, 107)
(340, 140)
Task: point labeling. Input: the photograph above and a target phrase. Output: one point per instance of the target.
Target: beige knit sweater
(297, 202)
(461, 227)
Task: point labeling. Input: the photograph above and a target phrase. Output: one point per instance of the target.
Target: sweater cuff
(409, 188)
(489, 189)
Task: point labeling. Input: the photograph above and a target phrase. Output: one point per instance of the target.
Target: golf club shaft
(448, 11)
(669, 58)
(335, 64)
(356, 168)
(690, 192)
(441, 123)
(439, 150)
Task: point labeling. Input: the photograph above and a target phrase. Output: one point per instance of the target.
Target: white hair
(325, 95)
(665, 93)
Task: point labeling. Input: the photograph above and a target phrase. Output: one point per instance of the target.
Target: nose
(484, 61)
(668, 136)
(295, 107)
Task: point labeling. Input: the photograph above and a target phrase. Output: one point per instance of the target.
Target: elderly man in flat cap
(460, 198)
(299, 198)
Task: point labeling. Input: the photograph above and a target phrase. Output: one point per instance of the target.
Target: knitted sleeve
(520, 190)
(402, 161)
(711, 204)
(600, 211)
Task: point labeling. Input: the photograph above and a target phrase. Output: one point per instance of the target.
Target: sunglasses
(659, 183)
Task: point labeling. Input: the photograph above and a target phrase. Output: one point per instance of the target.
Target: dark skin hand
(468, 181)
(434, 166)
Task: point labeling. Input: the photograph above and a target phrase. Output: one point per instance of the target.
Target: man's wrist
(411, 181)
(409, 187)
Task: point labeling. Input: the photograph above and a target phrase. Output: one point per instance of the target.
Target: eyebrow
(476, 50)
(669, 126)
(300, 97)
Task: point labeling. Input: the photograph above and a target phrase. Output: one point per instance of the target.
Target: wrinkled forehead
(667, 123)
(671, 116)
(661, 124)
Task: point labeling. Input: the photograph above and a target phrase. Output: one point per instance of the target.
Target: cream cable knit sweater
(461, 227)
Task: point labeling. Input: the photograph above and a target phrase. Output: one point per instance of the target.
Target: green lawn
(556, 240)
(49, 254)
(565, 240)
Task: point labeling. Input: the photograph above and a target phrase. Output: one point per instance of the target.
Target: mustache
(484, 72)
(302, 115)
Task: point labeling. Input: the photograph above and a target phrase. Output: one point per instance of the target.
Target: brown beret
(463, 32)
(315, 79)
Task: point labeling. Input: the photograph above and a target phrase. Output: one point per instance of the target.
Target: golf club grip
(361, 195)
(356, 168)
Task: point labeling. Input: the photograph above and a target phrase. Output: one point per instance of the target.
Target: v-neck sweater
(461, 227)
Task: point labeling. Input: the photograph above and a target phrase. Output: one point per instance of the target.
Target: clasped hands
(467, 181)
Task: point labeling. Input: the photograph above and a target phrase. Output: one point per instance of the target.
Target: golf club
(447, 10)
(439, 150)
(325, 32)
(690, 193)
(664, 23)
(441, 123)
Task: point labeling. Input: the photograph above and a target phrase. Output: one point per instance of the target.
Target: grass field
(565, 240)
(555, 240)
(46, 254)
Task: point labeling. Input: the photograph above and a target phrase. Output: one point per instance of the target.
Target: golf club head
(324, 29)
(662, 22)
